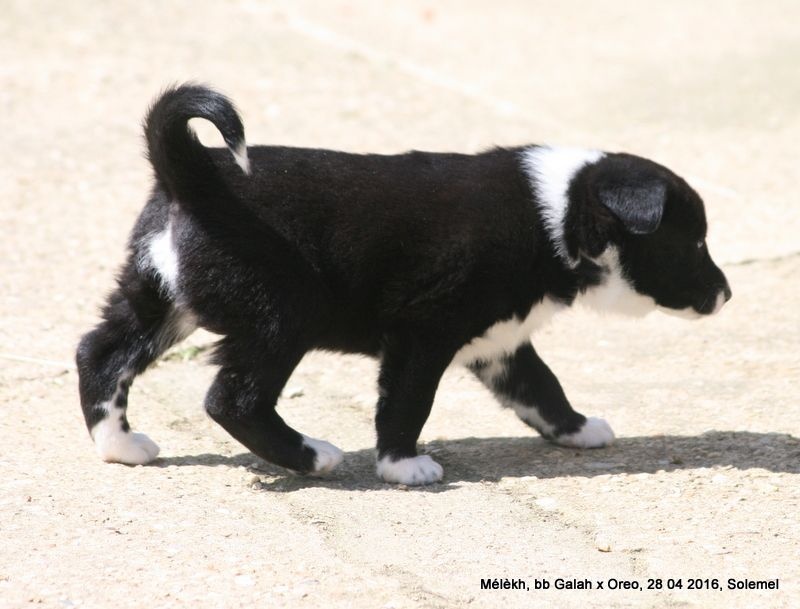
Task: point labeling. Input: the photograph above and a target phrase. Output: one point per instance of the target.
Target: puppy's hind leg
(243, 397)
(523, 382)
(139, 324)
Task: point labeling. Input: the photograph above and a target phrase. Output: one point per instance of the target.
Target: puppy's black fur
(407, 258)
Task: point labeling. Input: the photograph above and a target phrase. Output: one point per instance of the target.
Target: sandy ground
(703, 482)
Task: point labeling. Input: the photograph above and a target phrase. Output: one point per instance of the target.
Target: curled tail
(182, 164)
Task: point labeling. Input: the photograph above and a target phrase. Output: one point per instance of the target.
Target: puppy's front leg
(523, 382)
(409, 375)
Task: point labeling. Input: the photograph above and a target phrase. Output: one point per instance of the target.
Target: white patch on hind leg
(328, 456)
(412, 471)
(117, 446)
(177, 325)
(161, 255)
(594, 434)
(113, 443)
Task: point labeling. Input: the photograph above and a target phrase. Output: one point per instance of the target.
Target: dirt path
(703, 482)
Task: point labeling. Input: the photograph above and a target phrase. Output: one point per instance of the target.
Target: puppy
(422, 260)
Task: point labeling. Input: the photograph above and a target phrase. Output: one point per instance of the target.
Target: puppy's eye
(701, 244)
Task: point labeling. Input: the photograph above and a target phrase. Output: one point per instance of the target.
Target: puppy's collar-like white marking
(550, 171)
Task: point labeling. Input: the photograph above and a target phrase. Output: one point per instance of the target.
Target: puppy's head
(647, 227)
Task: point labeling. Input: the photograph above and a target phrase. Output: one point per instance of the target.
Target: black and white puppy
(422, 260)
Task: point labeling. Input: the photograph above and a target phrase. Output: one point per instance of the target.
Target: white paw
(594, 434)
(328, 456)
(411, 471)
(117, 446)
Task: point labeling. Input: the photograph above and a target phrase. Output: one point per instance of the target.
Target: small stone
(602, 542)
(292, 392)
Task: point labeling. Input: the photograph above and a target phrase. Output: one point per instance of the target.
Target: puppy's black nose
(726, 289)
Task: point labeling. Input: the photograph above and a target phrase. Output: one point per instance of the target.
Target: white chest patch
(615, 294)
(505, 336)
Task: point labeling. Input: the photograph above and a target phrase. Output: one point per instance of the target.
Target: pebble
(292, 392)
(602, 542)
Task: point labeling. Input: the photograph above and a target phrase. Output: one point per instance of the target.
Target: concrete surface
(703, 482)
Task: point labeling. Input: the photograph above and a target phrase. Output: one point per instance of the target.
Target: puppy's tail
(182, 164)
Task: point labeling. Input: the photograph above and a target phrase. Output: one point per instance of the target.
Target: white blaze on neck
(550, 171)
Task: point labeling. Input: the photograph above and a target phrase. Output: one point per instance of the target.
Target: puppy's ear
(639, 207)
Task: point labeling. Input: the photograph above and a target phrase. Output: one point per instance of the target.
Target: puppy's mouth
(711, 305)
(686, 313)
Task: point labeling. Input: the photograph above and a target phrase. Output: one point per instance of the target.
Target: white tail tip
(241, 158)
